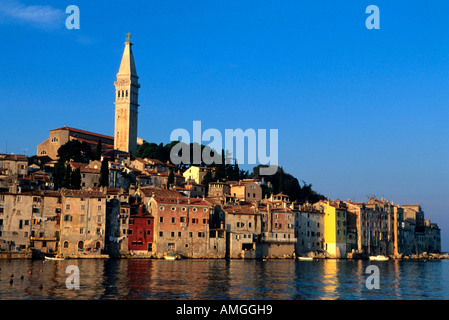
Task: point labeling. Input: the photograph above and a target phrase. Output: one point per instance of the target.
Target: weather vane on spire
(128, 37)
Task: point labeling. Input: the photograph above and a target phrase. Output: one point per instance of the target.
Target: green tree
(98, 150)
(58, 175)
(75, 150)
(104, 173)
(170, 179)
(75, 179)
(206, 180)
(66, 183)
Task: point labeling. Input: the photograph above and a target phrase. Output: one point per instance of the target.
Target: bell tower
(126, 102)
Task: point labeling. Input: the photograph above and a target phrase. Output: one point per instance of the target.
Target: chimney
(141, 211)
(188, 200)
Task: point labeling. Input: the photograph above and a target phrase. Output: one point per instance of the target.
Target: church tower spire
(126, 102)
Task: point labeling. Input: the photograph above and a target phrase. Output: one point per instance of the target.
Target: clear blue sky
(360, 112)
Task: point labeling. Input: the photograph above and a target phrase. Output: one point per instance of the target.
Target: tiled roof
(82, 193)
(183, 201)
(159, 192)
(84, 132)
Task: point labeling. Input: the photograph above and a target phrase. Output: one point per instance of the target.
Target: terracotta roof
(159, 192)
(240, 209)
(85, 132)
(82, 193)
(90, 170)
(13, 157)
(183, 201)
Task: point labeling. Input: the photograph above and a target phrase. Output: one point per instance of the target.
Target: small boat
(54, 258)
(379, 258)
(305, 258)
(172, 256)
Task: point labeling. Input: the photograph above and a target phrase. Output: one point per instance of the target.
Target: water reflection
(221, 279)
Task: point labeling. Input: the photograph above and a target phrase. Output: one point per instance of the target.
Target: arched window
(43, 152)
(118, 94)
(66, 244)
(98, 245)
(54, 139)
(81, 245)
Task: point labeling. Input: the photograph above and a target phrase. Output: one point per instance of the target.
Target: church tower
(126, 102)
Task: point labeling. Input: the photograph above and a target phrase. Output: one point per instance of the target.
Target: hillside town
(115, 203)
(139, 214)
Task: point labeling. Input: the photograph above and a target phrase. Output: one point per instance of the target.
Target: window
(161, 234)
(67, 218)
(194, 209)
(149, 221)
(148, 232)
(201, 234)
(54, 139)
(161, 219)
(130, 231)
(81, 230)
(83, 207)
(66, 244)
(172, 220)
(173, 209)
(67, 206)
(161, 208)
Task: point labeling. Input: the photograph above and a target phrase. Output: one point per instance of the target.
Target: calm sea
(221, 279)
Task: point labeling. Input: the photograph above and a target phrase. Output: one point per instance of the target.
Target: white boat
(379, 258)
(172, 256)
(54, 258)
(305, 258)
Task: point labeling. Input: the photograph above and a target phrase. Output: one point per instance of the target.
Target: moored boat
(54, 258)
(305, 258)
(379, 258)
(172, 256)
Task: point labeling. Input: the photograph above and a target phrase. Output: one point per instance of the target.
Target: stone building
(218, 189)
(181, 225)
(246, 191)
(309, 230)
(82, 223)
(15, 165)
(243, 224)
(61, 136)
(118, 211)
(278, 230)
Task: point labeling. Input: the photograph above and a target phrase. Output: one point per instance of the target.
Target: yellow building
(334, 227)
(195, 174)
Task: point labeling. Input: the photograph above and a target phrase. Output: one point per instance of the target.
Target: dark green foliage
(98, 151)
(170, 179)
(75, 150)
(75, 179)
(206, 180)
(104, 173)
(289, 185)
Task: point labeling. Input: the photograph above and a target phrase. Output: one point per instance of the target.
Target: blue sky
(359, 112)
